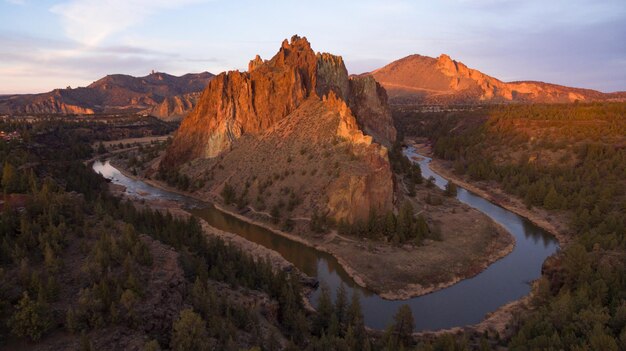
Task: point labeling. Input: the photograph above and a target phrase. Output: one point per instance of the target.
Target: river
(464, 303)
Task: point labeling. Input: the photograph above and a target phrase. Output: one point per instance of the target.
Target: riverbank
(258, 252)
(471, 243)
(498, 320)
(551, 223)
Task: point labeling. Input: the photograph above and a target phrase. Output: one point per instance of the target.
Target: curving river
(464, 303)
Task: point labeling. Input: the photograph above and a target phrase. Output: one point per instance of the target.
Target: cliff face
(113, 93)
(174, 108)
(283, 104)
(250, 102)
(422, 79)
(237, 103)
(368, 100)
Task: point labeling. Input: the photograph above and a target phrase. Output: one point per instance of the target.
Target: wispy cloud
(91, 21)
(29, 62)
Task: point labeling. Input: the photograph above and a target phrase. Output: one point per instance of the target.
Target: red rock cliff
(266, 119)
(237, 103)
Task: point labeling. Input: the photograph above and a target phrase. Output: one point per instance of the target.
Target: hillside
(113, 93)
(297, 120)
(564, 163)
(427, 80)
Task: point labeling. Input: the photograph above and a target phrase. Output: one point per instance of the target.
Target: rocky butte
(442, 80)
(296, 124)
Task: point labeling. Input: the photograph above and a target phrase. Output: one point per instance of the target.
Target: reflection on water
(139, 189)
(464, 303)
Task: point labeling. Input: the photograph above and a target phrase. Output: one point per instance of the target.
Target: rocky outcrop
(368, 100)
(111, 94)
(442, 80)
(174, 108)
(237, 103)
(165, 291)
(52, 106)
(353, 195)
(298, 100)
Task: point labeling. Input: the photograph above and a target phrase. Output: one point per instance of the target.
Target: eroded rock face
(353, 195)
(174, 108)
(52, 106)
(237, 103)
(250, 102)
(368, 100)
(296, 90)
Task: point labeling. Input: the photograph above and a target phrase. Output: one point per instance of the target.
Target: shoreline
(409, 291)
(495, 320)
(499, 197)
(256, 251)
(510, 203)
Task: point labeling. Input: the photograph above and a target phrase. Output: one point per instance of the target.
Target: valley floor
(470, 243)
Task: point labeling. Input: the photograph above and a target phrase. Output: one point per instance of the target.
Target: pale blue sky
(45, 44)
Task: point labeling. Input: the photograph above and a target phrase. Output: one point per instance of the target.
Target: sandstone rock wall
(237, 103)
(175, 107)
(289, 100)
(368, 101)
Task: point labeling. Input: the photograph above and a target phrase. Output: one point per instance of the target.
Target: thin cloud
(91, 21)
(34, 64)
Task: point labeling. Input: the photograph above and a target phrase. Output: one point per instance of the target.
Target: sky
(47, 44)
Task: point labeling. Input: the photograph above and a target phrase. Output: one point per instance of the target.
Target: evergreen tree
(552, 201)
(325, 311)
(451, 189)
(101, 149)
(31, 318)
(403, 326)
(10, 180)
(189, 332)
(356, 321)
(341, 307)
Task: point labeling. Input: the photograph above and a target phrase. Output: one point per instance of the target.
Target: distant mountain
(113, 93)
(427, 80)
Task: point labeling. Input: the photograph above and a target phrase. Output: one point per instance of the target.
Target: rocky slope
(174, 108)
(296, 123)
(113, 93)
(423, 79)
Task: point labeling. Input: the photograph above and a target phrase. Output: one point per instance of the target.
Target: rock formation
(112, 94)
(174, 108)
(283, 110)
(422, 79)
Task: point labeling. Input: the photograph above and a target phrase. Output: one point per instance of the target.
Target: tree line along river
(464, 303)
